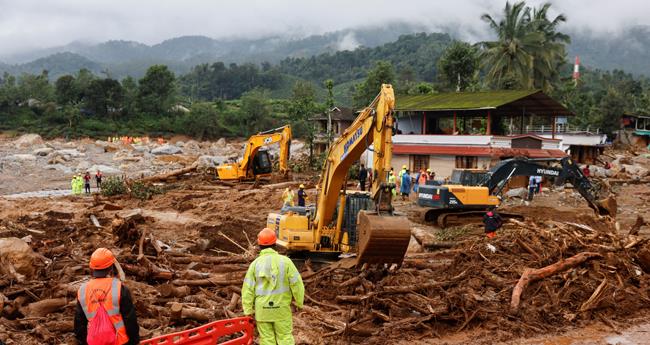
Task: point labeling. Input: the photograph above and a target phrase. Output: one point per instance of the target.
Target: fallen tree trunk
(531, 275)
(179, 311)
(150, 272)
(209, 259)
(44, 307)
(169, 290)
(234, 278)
(164, 177)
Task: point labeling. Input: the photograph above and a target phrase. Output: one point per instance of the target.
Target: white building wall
(568, 139)
(442, 165)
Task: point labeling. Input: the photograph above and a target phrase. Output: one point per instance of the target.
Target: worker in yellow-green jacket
(271, 282)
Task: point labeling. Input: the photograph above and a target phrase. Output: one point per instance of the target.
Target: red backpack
(101, 330)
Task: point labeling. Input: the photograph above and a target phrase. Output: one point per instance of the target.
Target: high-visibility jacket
(107, 291)
(271, 281)
(287, 197)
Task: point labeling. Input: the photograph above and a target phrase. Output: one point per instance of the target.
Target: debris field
(185, 253)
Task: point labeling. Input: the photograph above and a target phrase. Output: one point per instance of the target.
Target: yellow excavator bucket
(382, 239)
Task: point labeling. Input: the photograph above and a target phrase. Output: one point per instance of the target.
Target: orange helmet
(266, 237)
(102, 258)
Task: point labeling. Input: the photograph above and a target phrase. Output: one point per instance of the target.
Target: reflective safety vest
(271, 282)
(287, 197)
(108, 291)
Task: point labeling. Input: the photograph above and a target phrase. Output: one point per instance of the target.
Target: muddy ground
(467, 302)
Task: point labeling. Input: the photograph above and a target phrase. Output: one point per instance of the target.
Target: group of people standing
(80, 183)
(405, 182)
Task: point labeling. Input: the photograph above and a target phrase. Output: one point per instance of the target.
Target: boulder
(600, 172)
(206, 162)
(635, 170)
(105, 169)
(140, 148)
(83, 166)
(166, 149)
(21, 158)
(517, 193)
(43, 151)
(20, 255)
(180, 143)
(28, 140)
(74, 153)
(221, 142)
(59, 167)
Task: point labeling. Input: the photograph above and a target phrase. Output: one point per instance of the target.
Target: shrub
(114, 185)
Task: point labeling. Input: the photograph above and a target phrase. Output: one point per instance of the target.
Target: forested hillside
(69, 94)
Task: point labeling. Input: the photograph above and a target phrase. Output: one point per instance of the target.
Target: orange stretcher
(210, 334)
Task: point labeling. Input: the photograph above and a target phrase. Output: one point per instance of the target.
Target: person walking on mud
(271, 282)
(87, 182)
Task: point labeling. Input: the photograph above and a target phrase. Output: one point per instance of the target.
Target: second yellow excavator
(349, 222)
(256, 162)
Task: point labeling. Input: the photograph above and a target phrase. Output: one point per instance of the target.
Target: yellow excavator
(256, 161)
(349, 222)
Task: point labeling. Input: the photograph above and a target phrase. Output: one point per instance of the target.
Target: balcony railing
(559, 128)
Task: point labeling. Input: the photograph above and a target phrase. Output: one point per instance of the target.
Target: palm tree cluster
(528, 51)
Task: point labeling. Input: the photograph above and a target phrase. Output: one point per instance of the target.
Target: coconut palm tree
(551, 53)
(528, 49)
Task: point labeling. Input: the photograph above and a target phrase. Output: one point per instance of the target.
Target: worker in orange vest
(105, 290)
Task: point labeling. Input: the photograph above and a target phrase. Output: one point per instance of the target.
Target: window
(466, 162)
(419, 162)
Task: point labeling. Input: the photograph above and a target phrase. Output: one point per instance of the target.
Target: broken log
(179, 311)
(532, 275)
(44, 307)
(166, 176)
(234, 278)
(209, 259)
(168, 290)
(150, 271)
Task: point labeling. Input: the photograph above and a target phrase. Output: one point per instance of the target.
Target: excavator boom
(371, 228)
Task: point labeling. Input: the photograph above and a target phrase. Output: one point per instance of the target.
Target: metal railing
(559, 128)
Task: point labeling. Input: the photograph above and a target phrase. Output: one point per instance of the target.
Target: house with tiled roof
(445, 131)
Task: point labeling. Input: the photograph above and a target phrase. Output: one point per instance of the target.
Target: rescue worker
(76, 185)
(363, 176)
(391, 180)
(287, 198)
(98, 179)
(493, 222)
(272, 280)
(302, 195)
(400, 174)
(87, 182)
(405, 186)
(532, 186)
(73, 184)
(115, 297)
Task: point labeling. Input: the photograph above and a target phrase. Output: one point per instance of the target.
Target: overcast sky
(27, 24)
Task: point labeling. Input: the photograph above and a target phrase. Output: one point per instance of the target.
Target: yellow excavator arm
(373, 126)
(378, 236)
(246, 169)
